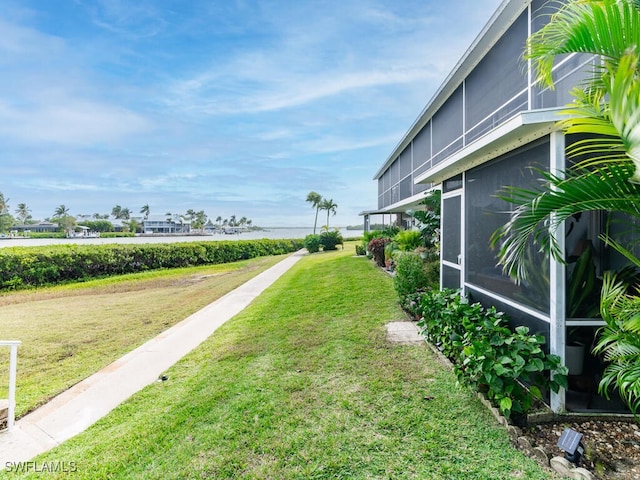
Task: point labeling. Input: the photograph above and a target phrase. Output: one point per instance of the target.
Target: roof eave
(521, 129)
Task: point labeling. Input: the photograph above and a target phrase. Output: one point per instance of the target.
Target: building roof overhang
(402, 206)
(521, 129)
(503, 17)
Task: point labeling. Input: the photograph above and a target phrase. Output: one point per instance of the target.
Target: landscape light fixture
(572, 446)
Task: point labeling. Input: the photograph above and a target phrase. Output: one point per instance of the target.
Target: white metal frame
(13, 363)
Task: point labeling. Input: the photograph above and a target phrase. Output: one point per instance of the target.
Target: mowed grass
(302, 384)
(72, 331)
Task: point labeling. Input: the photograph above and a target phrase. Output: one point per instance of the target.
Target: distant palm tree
(328, 205)
(145, 210)
(116, 211)
(23, 213)
(61, 211)
(218, 219)
(4, 204)
(315, 199)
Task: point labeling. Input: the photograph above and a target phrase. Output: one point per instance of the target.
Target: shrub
(411, 275)
(331, 239)
(376, 248)
(360, 250)
(312, 243)
(37, 266)
(487, 355)
(408, 240)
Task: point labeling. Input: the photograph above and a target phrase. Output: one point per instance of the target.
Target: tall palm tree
(315, 199)
(61, 211)
(4, 204)
(328, 205)
(145, 210)
(116, 211)
(23, 213)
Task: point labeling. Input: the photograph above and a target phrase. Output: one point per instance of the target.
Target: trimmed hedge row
(23, 267)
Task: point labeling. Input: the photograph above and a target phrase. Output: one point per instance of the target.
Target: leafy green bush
(37, 266)
(376, 248)
(331, 239)
(509, 366)
(408, 240)
(411, 275)
(312, 243)
(360, 250)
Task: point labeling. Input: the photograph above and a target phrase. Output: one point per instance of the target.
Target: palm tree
(328, 205)
(145, 210)
(4, 204)
(61, 211)
(619, 341)
(63, 219)
(5, 219)
(314, 198)
(23, 213)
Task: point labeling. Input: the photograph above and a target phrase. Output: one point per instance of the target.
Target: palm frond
(619, 341)
(605, 27)
(539, 212)
(624, 92)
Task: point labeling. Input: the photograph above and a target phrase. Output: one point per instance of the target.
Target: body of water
(272, 233)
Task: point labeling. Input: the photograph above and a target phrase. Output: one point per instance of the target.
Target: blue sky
(237, 107)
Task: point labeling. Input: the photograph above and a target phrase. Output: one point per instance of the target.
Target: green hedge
(24, 267)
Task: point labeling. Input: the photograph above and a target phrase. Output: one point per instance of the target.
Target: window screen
(485, 212)
(500, 76)
(450, 277)
(566, 76)
(447, 122)
(422, 149)
(451, 228)
(405, 188)
(405, 162)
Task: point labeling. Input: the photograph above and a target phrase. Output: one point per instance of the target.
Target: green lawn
(72, 331)
(302, 384)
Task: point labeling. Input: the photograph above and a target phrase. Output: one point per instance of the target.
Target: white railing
(13, 362)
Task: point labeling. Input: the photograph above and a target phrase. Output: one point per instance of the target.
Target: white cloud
(70, 121)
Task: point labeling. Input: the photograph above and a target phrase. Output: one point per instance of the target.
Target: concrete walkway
(76, 409)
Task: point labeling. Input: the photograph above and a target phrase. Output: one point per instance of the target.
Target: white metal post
(557, 279)
(13, 364)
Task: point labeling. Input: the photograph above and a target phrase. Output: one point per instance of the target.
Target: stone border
(559, 465)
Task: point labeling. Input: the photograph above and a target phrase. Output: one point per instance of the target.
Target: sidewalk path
(76, 409)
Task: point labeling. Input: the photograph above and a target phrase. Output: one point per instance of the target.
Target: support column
(557, 278)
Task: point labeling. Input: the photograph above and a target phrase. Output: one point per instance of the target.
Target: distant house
(173, 224)
(40, 227)
(489, 126)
